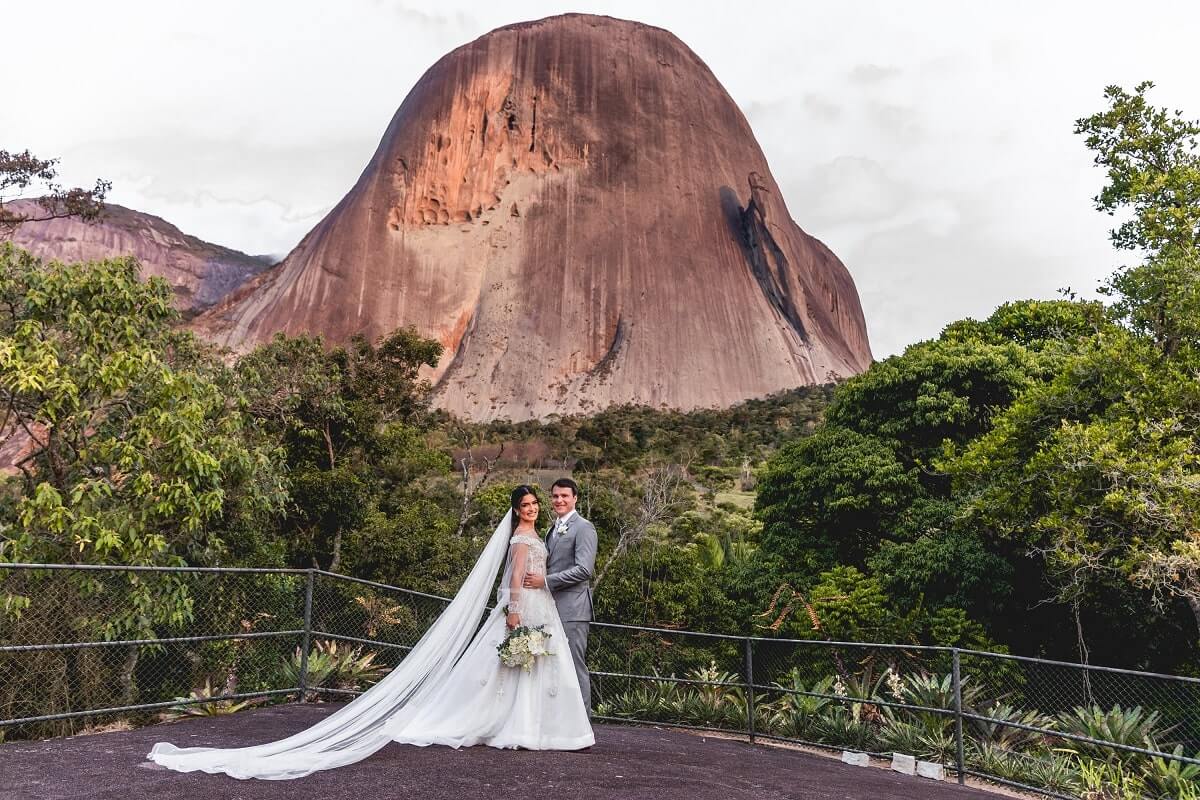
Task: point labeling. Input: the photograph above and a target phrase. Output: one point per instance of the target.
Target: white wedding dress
(450, 689)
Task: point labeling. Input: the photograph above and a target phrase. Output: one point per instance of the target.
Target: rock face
(199, 272)
(579, 212)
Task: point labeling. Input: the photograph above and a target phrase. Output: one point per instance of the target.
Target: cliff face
(580, 213)
(200, 273)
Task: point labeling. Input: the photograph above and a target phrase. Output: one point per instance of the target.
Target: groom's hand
(534, 581)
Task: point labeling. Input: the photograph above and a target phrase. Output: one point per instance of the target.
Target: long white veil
(357, 730)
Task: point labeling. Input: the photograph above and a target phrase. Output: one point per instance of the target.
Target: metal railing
(78, 654)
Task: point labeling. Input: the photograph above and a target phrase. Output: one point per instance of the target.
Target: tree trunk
(328, 444)
(1194, 604)
(336, 560)
(126, 675)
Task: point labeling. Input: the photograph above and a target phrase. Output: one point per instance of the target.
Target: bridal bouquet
(522, 646)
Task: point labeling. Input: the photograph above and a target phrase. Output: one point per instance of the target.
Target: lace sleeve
(518, 556)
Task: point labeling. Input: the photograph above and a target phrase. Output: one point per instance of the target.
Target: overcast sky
(929, 144)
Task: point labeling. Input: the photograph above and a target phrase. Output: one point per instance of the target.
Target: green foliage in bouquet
(523, 645)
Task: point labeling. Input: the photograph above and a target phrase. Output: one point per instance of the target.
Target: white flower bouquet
(522, 646)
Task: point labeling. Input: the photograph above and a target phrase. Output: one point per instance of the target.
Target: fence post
(750, 688)
(308, 593)
(958, 717)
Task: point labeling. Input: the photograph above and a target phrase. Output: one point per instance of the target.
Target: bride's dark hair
(518, 494)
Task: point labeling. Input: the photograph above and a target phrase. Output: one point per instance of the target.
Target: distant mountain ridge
(201, 273)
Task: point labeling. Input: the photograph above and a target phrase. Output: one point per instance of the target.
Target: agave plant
(995, 731)
(898, 736)
(319, 670)
(1052, 770)
(932, 691)
(1128, 726)
(865, 685)
(859, 690)
(354, 668)
(190, 707)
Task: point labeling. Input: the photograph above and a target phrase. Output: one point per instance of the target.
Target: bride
(451, 688)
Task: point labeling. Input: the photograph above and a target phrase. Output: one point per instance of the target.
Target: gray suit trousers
(577, 637)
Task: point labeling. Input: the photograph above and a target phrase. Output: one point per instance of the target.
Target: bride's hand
(513, 621)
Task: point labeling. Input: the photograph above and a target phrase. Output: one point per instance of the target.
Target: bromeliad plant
(194, 706)
(651, 701)
(1133, 727)
(1175, 779)
(1008, 737)
(714, 702)
(333, 666)
(794, 714)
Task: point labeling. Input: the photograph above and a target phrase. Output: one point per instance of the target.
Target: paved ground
(626, 762)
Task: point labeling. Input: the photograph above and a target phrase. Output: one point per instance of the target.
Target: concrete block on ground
(855, 759)
(928, 769)
(904, 763)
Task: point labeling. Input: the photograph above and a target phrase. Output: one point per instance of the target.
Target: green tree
(1153, 170)
(19, 172)
(131, 445)
(850, 607)
(946, 565)
(936, 391)
(866, 488)
(827, 499)
(1097, 469)
(132, 449)
(344, 416)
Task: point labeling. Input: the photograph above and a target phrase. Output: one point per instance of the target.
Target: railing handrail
(1078, 665)
(150, 568)
(616, 625)
(379, 585)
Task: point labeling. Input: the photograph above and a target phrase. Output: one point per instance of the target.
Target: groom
(572, 560)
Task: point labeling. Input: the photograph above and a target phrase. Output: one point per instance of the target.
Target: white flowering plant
(523, 645)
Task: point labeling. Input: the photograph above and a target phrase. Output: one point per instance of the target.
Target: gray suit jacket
(569, 569)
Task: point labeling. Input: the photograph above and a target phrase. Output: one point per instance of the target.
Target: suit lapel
(553, 541)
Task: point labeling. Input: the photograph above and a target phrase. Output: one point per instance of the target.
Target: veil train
(358, 730)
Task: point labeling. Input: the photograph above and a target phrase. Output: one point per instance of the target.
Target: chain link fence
(1059, 729)
(85, 647)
